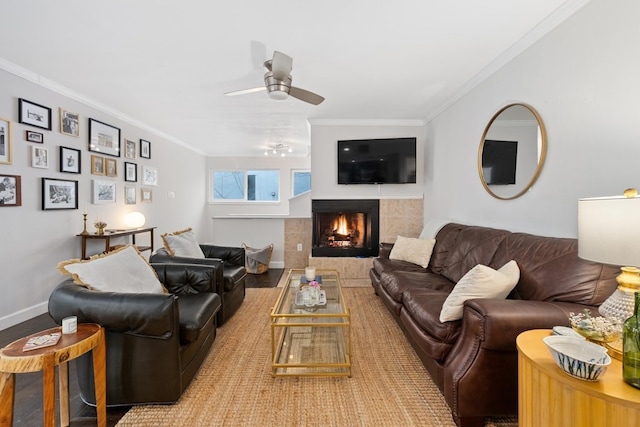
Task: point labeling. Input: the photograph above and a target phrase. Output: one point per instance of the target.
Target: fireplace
(345, 228)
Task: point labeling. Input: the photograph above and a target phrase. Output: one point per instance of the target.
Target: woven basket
(257, 260)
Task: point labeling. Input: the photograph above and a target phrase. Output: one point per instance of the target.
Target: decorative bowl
(577, 357)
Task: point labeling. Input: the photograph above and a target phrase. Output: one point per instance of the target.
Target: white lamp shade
(609, 230)
(134, 220)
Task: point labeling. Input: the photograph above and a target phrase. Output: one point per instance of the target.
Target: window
(247, 186)
(301, 181)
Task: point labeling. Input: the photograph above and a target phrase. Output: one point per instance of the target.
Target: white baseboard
(23, 315)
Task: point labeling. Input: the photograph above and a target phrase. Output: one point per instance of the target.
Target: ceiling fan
(277, 81)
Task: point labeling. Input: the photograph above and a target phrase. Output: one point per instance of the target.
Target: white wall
(33, 241)
(583, 80)
(324, 158)
(262, 223)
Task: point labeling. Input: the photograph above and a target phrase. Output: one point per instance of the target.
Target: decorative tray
(322, 300)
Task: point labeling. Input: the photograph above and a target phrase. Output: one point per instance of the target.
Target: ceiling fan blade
(305, 95)
(246, 91)
(281, 65)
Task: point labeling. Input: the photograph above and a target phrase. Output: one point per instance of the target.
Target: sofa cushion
(474, 245)
(480, 282)
(396, 282)
(546, 262)
(416, 251)
(182, 243)
(423, 309)
(385, 265)
(123, 270)
(195, 310)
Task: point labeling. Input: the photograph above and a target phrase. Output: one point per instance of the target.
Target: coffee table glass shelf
(311, 339)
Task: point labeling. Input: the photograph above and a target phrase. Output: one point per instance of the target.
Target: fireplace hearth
(345, 228)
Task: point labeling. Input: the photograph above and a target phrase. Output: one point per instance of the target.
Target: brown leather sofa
(474, 360)
(231, 286)
(155, 342)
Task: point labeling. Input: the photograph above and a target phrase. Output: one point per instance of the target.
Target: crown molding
(558, 16)
(366, 122)
(44, 82)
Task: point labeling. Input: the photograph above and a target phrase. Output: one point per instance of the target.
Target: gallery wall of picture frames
(105, 145)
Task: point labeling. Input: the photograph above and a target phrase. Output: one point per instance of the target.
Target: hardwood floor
(28, 407)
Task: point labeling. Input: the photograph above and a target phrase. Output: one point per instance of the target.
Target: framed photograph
(130, 172)
(97, 165)
(70, 160)
(130, 149)
(145, 149)
(104, 138)
(149, 176)
(103, 192)
(129, 195)
(10, 191)
(34, 114)
(39, 157)
(34, 137)
(146, 195)
(59, 194)
(6, 149)
(69, 123)
(110, 167)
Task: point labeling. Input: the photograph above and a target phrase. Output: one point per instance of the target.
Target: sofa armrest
(228, 254)
(199, 275)
(497, 323)
(385, 249)
(151, 315)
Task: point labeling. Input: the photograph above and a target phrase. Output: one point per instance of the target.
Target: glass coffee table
(311, 337)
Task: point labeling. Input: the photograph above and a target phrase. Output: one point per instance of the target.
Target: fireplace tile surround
(397, 217)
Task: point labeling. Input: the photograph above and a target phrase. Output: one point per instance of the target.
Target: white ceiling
(165, 64)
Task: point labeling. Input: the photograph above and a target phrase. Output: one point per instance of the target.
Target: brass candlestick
(84, 220)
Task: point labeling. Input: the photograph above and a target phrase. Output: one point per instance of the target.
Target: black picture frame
(59, 194)
(104, 138)
(70, 160)
(32, 114)
(36, 137)
(145, 149)
(130, 172)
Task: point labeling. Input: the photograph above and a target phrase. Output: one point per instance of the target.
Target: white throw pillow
(123, 270)
(416, 251)
(182, 243)
(480, 282)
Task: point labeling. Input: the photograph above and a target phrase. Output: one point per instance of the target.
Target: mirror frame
(541, 159)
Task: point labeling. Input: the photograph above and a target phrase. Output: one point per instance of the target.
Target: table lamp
(134, 220)
(609, 232)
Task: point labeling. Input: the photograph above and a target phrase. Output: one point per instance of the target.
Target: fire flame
(340, 226)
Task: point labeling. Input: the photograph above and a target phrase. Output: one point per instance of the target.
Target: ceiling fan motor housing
(276, 88)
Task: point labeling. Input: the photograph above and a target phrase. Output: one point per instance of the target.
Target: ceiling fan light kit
(277, 82)
(279, 150)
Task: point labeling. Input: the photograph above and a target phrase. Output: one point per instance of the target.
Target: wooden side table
(89, 337)
(110, 234)
(549, 397)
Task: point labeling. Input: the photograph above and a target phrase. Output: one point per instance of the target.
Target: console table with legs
(110, 234)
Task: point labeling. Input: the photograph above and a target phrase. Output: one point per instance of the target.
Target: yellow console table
(549, 397)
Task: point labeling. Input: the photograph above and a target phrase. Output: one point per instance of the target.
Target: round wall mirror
(512, 151)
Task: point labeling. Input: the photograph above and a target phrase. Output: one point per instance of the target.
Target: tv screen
(499, 160)
(377, 161)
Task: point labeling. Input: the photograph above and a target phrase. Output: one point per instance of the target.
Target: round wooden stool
(14, 360)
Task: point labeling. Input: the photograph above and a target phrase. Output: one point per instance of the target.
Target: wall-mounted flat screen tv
(499, 159)
(377, 161)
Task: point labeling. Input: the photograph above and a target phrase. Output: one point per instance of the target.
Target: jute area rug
(389, 386)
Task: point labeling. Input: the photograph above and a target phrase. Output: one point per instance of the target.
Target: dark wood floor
(28, 395)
